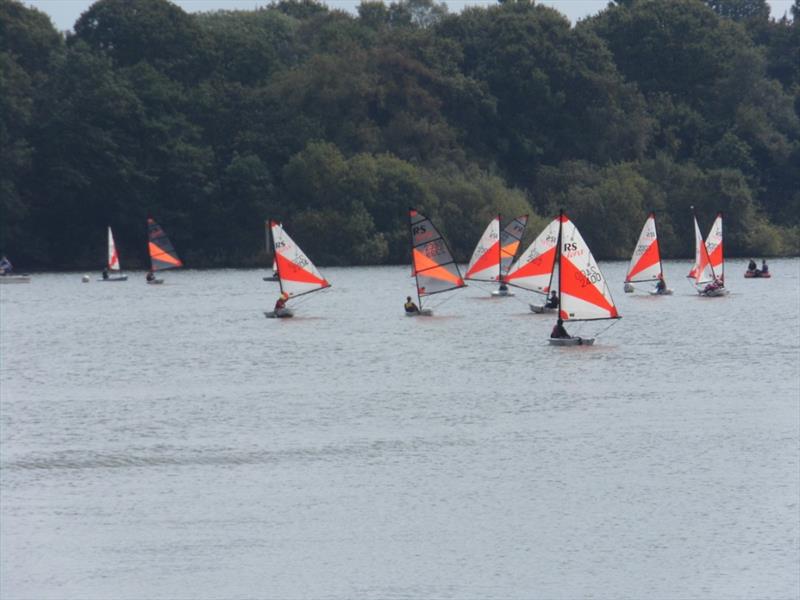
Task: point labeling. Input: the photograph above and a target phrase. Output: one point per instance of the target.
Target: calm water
(170, 442)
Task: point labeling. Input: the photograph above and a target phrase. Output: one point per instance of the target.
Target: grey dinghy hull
(575, 341)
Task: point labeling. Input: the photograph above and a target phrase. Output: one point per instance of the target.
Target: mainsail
(113, 257)
(646, 260)
(485, 262)
(583, 291)
(297, 275)
(510, 239)
(431, 259)
(700, 252)
(534, 269)
(162, 252)
(714, 248)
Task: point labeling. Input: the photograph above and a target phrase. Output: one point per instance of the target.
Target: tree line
(336, 123)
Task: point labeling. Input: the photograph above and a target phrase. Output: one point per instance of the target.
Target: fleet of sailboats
(432, 263)
(558, 264)
(297, 275)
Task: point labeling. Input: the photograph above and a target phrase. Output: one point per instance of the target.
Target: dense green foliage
(336, 123)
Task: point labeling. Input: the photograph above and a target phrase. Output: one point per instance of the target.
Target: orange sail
(162, 252)
(432, 262)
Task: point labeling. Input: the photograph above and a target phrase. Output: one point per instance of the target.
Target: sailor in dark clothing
(559, 331)
(552, 300)
(751, 266)
(105, 273)
(150, 276)
(661, 286)
(410, 306)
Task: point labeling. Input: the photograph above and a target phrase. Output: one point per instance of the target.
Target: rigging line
(613, 322)
(443, 302)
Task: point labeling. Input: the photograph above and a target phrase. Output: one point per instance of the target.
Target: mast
(275, 254)
(499, 249)
(560, 270)
(658, 247)
(721, 248)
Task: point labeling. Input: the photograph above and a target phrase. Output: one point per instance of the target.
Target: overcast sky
(64, 13)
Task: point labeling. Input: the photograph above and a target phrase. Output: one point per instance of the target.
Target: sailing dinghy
(162, 252)
(534, 271)
(112, 271)
(297, 275)
(495, 253)
(708, 271)
(583, 293)
(646, 264)
(274, 276)
(432, 262)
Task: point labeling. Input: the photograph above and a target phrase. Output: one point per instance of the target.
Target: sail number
(589, 275)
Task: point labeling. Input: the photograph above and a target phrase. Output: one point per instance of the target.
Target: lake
(171, 442)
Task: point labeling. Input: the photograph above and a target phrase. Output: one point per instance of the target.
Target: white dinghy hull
(425, 312)
(502, 293)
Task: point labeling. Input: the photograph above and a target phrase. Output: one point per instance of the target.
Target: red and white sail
(584, 293)
(510, 239)
(700, 252)
(646, 260)
(714, 247)
(432, 262)
(297, 275)
(113, 257)
(534, 269)
(485, 262)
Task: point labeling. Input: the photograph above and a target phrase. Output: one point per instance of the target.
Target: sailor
(410, 306)
(552, 300)
(503, 286)
(280, 304)
(150, 276)
(751, 266)
(764, 267)
(559, 331)
(105, 273)
(661, 286)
